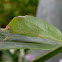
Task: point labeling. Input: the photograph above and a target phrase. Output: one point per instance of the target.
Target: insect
(32, 27)
(23, 25)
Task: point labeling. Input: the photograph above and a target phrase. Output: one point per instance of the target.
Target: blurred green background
(11, 8)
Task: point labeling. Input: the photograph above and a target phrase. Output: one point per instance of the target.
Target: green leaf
(48, 55)
(34, 27)
(18, 42)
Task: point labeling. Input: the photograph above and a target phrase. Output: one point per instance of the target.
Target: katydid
(33, 27)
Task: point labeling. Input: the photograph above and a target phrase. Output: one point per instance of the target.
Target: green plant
(32, 27)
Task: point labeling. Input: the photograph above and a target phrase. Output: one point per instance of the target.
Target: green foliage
(17, 41)
(11, 8)
(33, 28)
(49, 55)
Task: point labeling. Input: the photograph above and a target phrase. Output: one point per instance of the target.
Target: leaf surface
(20, 42)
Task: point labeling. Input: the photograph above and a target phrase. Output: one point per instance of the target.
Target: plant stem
(49, 55)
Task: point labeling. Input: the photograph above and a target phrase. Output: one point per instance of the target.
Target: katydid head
(6, 29)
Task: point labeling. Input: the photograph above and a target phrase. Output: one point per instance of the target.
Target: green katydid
(32, 27)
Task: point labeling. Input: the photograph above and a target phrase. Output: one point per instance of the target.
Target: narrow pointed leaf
(21, 42)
